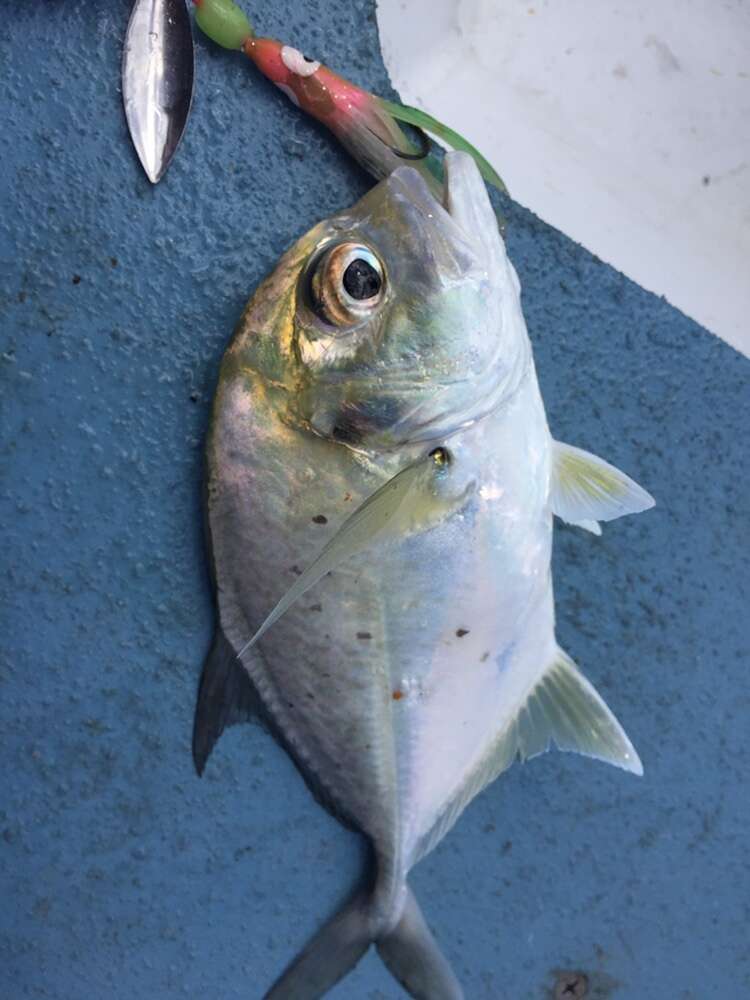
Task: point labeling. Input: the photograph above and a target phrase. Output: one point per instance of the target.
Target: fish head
(399, 320)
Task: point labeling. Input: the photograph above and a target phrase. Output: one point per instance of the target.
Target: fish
(368, 126)
(380, 494)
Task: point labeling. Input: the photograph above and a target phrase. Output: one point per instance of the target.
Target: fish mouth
(454, 402)
(464, 210)
(467, 202)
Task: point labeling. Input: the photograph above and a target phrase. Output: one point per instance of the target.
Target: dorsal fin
(562, 709)
(226, 695)
(585, 488)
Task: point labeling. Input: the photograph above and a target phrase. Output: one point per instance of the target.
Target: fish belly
(395, 673)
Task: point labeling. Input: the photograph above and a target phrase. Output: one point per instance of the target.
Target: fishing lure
(369, 127)
(158, 69)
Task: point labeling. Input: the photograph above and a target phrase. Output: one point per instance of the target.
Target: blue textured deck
(121, 874)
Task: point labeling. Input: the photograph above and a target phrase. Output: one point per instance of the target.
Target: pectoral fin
(586, 489)
(415, 499)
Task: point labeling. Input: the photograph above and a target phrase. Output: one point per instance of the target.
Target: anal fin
(562, 709)
(226, 695)
(566, 710)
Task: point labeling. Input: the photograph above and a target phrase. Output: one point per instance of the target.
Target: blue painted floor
(122, 874)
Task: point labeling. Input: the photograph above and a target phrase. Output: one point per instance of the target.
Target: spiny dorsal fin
(226, 695)
(562, 709)
(585, 488)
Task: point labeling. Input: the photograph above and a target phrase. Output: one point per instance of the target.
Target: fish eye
(346, 283)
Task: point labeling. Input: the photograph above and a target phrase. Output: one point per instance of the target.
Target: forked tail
(407, 947)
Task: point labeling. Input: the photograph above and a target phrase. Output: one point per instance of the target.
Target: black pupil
(361, 280)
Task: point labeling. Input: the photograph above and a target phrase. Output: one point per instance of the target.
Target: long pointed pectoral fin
(585, 489)
(564, 709)
(414, 500)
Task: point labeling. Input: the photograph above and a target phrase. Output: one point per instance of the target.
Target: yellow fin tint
(585, 488)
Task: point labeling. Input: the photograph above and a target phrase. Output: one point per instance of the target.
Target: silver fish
(378, 435)
(158, 69)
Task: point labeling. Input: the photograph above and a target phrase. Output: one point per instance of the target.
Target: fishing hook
(424, 143)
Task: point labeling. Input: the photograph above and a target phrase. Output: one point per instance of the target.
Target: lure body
(368, 127)
(419, 667)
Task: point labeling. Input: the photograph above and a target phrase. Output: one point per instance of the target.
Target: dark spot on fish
(194, 397)
(706, 180)
(22, 296)
(346, 432)
(571, 986)
(484, 657)
(461, 632)
(397, 695)
(364, 635)
(489, 828)
(296, 570)
(507, 846)
(113, 261)
(356, 418)
(320, 519)
(76, 279)
(316, 607)
(290, 704)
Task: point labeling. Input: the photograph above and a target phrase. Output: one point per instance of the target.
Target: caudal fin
(333, 952)
(408, 949)
(412, 955)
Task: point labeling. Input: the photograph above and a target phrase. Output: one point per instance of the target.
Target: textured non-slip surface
(121, 873)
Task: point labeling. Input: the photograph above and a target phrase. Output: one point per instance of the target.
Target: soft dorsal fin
(585, 488)
(562, 709)
(226, 695)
